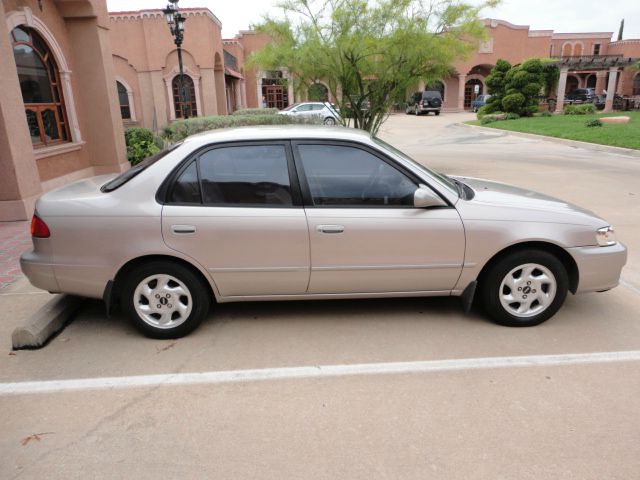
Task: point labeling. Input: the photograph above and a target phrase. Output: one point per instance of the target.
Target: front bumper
(599, 267)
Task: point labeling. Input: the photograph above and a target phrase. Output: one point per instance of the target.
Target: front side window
(187, 102)
(349, 176)
(41, 90)
(123, 97)
(252, 175)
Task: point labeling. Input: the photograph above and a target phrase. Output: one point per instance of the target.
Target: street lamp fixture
(175, 20)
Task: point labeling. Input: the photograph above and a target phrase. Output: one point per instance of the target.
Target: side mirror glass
(425, 197)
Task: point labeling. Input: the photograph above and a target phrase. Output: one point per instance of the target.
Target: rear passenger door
(236, 209)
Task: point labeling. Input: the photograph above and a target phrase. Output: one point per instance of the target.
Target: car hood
(521, 204)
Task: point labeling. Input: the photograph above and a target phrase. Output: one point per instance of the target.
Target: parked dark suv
(584, 95)
(425, 102)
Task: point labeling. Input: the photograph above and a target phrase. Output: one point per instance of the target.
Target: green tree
(369, 53)
(518, 89)
(496, 86)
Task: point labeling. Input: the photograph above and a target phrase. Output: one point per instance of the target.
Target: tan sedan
(294, 213)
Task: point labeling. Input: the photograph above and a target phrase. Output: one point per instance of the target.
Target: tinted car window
(431, 94)
(186, 189)
(349, 176)
(245, 175)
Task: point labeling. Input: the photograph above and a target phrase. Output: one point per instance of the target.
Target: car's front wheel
(524, 288)
(164, 299)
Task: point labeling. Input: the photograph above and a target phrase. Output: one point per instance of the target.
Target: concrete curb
(572, 143)
(46, 322)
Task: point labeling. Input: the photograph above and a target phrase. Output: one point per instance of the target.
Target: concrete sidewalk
(14, 240)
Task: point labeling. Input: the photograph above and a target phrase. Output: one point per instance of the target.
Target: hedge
(183, 128)
(256, 111)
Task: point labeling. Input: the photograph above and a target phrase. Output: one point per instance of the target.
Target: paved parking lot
(554, 419)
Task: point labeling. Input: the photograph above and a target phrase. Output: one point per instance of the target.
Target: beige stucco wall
(82, 49)
(144, 48)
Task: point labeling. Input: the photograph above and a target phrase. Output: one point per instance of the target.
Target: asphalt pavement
(247, 396)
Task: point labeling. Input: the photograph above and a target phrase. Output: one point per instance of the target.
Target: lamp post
(175, 20)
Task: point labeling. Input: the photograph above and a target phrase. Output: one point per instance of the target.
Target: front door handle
(183, 229)
(330, 228)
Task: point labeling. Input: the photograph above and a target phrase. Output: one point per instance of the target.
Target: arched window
(123, 96)
(189, 96)
(636, 84)
(318, 93)
(40, 84)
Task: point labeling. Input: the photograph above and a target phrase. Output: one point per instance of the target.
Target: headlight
(606, 236)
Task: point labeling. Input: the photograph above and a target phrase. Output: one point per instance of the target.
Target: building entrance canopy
(594, 62)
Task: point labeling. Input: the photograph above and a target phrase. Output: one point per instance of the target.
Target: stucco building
(73, 75)
(59, 115)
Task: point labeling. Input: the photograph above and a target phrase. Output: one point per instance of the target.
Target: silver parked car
(274, 213)
(324, 111)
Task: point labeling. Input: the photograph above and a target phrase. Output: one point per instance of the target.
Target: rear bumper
(39, 273)
(82, 280)
(599, 267)
(430, 109)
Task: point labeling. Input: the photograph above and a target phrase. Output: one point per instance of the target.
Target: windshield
(290, 107)
(127, 175)
(443, 179)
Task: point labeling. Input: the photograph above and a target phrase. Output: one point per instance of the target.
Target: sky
(568, 16)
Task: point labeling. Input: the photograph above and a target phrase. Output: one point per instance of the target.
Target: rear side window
(252, 175)
(186, 189)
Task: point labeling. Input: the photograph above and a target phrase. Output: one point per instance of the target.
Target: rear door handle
(330, 228)
(183, 229)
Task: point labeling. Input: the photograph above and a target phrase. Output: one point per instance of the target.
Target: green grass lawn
(573, 127)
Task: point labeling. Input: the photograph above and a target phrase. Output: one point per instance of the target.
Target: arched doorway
(189, 102)
(318, 93)
(472, 89)
(572, 83)
(591, 81)
(636, 84)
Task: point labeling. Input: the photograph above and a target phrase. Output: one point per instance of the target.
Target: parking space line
(326, 371)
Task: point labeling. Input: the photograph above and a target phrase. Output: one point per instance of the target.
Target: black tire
(490, 294)
(437, 112)
(329, 121)
(199, 302)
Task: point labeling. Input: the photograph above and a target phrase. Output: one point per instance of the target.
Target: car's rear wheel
(525, 288)
(164, 299)
(329, 121)
(437, 112)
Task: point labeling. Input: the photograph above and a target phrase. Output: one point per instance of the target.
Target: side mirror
(425, 197)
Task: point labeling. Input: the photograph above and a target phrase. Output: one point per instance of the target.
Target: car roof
(280, 132)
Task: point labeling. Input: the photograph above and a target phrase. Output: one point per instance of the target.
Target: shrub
(141, 143)
(488, 119)
(482, 111)
(546, 114)
(584, 109)
(256, 111)
(511, 116)
(183, 128)
(593, 123)
(513, 102)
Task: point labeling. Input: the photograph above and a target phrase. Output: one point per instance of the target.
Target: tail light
(39, 229)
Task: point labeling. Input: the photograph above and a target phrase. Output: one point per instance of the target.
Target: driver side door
(365, 234)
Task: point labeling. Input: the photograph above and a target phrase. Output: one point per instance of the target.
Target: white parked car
(324, 110)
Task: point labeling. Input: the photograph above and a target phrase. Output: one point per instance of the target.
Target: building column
(462, 80)
(97, 93)
(19, 178)
(601, 78)
(611, 89)
(562, 88)
(243, 94)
